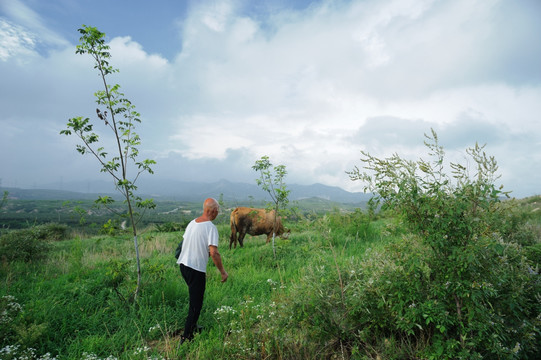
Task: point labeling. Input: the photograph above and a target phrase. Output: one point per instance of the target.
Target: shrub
(533, 253)
(52, 231)
(25, 245)
(170, 227)
(481, 298)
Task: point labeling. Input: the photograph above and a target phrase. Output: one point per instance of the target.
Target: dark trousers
(196, 281)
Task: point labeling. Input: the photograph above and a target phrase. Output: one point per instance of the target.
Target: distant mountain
(186, 191)
(47, 194)
(241, 192)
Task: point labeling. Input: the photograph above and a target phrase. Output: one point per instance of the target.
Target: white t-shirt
(195, 246)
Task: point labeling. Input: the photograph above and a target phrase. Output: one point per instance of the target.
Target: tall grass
(74, 303)
(319, 298)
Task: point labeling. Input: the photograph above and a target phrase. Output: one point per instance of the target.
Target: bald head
(211, 204)
(210, 209)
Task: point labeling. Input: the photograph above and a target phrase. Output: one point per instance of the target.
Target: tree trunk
(138, 267)
(136, 244)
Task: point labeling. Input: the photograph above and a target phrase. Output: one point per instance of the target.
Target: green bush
(533, 253)
(170, 227)
(481, 299)
(52, 231)
(24, 245)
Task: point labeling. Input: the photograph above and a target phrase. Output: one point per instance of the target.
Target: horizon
(191, 191)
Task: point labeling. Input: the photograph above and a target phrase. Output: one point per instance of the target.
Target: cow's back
(254, 222)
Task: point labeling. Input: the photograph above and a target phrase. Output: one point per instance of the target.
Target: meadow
(345, 285)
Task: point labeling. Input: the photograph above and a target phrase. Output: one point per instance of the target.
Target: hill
(162, 190)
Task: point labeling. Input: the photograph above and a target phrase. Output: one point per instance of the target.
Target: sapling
(118, 114)
(271, 180)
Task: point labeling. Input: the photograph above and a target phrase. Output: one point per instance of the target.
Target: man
(200, 241)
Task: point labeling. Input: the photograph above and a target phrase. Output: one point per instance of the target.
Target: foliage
(170, 227)
(111, 227)
(30, 244)
(480, 297)
(271, 180)
(78, 210)
(120, 117)
(52, 231)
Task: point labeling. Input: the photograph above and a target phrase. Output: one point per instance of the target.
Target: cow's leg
(269, 237)
(233, 237)
(241, 238)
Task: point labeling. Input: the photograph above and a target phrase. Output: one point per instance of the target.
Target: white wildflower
(9, 349)
(47, 356)
(155, 327)
(224, 310)
(140, 350)
(10, 310)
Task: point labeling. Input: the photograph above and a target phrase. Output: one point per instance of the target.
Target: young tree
(117, 113)
(272, 181)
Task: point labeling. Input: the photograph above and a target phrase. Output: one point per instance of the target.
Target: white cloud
(128, 52)
(298, 93)
(15, 41)
(309, 88)
(30, 23)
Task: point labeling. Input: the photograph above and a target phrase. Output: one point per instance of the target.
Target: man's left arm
(217, 259)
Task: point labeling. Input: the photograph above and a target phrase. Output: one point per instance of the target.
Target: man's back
(195, 247)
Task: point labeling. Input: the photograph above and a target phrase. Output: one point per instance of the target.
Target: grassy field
(84, 216)
(320, 297)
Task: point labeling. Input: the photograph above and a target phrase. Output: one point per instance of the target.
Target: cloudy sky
(308, 83)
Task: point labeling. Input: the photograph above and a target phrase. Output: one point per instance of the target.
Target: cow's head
(285, 233)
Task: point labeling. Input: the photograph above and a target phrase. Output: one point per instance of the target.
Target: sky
(311, 84)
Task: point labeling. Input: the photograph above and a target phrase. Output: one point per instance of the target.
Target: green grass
(72, 307)
(313, 300)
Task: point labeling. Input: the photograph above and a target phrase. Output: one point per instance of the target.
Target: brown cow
(254, 222)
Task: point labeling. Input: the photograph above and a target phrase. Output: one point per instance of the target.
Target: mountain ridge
(162, 190)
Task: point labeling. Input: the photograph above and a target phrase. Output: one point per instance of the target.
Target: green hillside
(344, 285)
